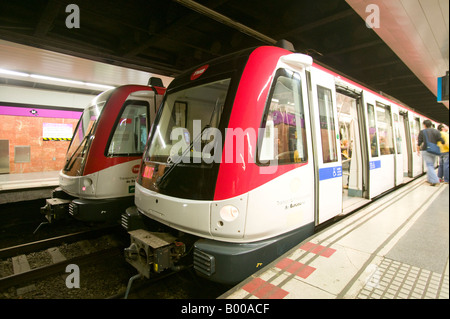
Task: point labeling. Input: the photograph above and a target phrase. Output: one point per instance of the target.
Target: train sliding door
(328, 165)
(398, 144)
(406, 146)
(417, 163)
(350, 117)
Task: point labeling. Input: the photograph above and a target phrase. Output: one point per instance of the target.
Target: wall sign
(57, 132)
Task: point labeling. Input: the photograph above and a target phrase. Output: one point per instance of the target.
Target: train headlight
(86, 183)
(229, 213)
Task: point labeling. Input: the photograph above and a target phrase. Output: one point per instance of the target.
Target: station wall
(29, 150)
(37, 135)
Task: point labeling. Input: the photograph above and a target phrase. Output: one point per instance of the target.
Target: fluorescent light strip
(50, 78)
(3, 71)
(102, 86)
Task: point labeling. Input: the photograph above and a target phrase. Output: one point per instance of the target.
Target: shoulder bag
(431, 147)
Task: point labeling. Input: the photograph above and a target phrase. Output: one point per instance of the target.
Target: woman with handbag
(443, 159)
(426, 141)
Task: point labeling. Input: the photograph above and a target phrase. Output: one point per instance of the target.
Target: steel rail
(60, 267)
(53, 241)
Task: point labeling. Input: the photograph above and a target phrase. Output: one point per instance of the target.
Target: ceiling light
(3, 71)
(54, 79)
(49, 78)
(102, 86)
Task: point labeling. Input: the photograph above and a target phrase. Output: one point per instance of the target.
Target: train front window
(80, 140)
(86, 122)
(181, 129)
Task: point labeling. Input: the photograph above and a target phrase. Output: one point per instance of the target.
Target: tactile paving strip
(395, 280)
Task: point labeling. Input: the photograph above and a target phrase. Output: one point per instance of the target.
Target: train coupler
(153, 252)
(56, 209)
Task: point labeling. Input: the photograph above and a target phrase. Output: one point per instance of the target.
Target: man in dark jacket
(433, 136)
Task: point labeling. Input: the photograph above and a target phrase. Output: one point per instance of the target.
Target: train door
(399, 154)
(385, 178)
(326, 147)
(417, 159)
(405, 145)
(380, 148)
(349, 108)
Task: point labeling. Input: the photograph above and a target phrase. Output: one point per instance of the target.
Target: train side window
(372, 130)
(398, 135)
(385, 136)
(415, 130)
(327, 125)
(283, 140)
(130, 133)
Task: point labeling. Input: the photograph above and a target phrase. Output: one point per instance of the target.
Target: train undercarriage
(62, 206)
(155, 248)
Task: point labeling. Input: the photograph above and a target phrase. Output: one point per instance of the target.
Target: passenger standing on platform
(433, 136)
(443, 159)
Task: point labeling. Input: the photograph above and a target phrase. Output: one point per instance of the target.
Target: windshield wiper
(180, 158)
(71, 161)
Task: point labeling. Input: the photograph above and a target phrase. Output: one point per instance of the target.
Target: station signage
(57, 132)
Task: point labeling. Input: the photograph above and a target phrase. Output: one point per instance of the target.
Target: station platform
(27, 186)
(395, 248)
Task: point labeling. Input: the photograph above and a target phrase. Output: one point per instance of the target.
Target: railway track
(22, 223)
(54, 241)
(103, 273)
(32, 270)
(39, 270)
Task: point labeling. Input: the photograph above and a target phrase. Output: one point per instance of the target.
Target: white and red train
(103, 158)
(250, 152)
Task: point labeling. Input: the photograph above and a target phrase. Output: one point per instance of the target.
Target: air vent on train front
(204, 263)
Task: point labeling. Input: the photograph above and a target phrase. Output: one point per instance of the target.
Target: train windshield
(80, 139)
(188, 122)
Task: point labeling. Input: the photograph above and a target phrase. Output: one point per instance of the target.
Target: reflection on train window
(183, 124)
(385, 136)
(284, 137)
(130, 134)
(82, 135)
(327, 126)
(372, 130)
(86, 124)
(398, 135)
(415, 129)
